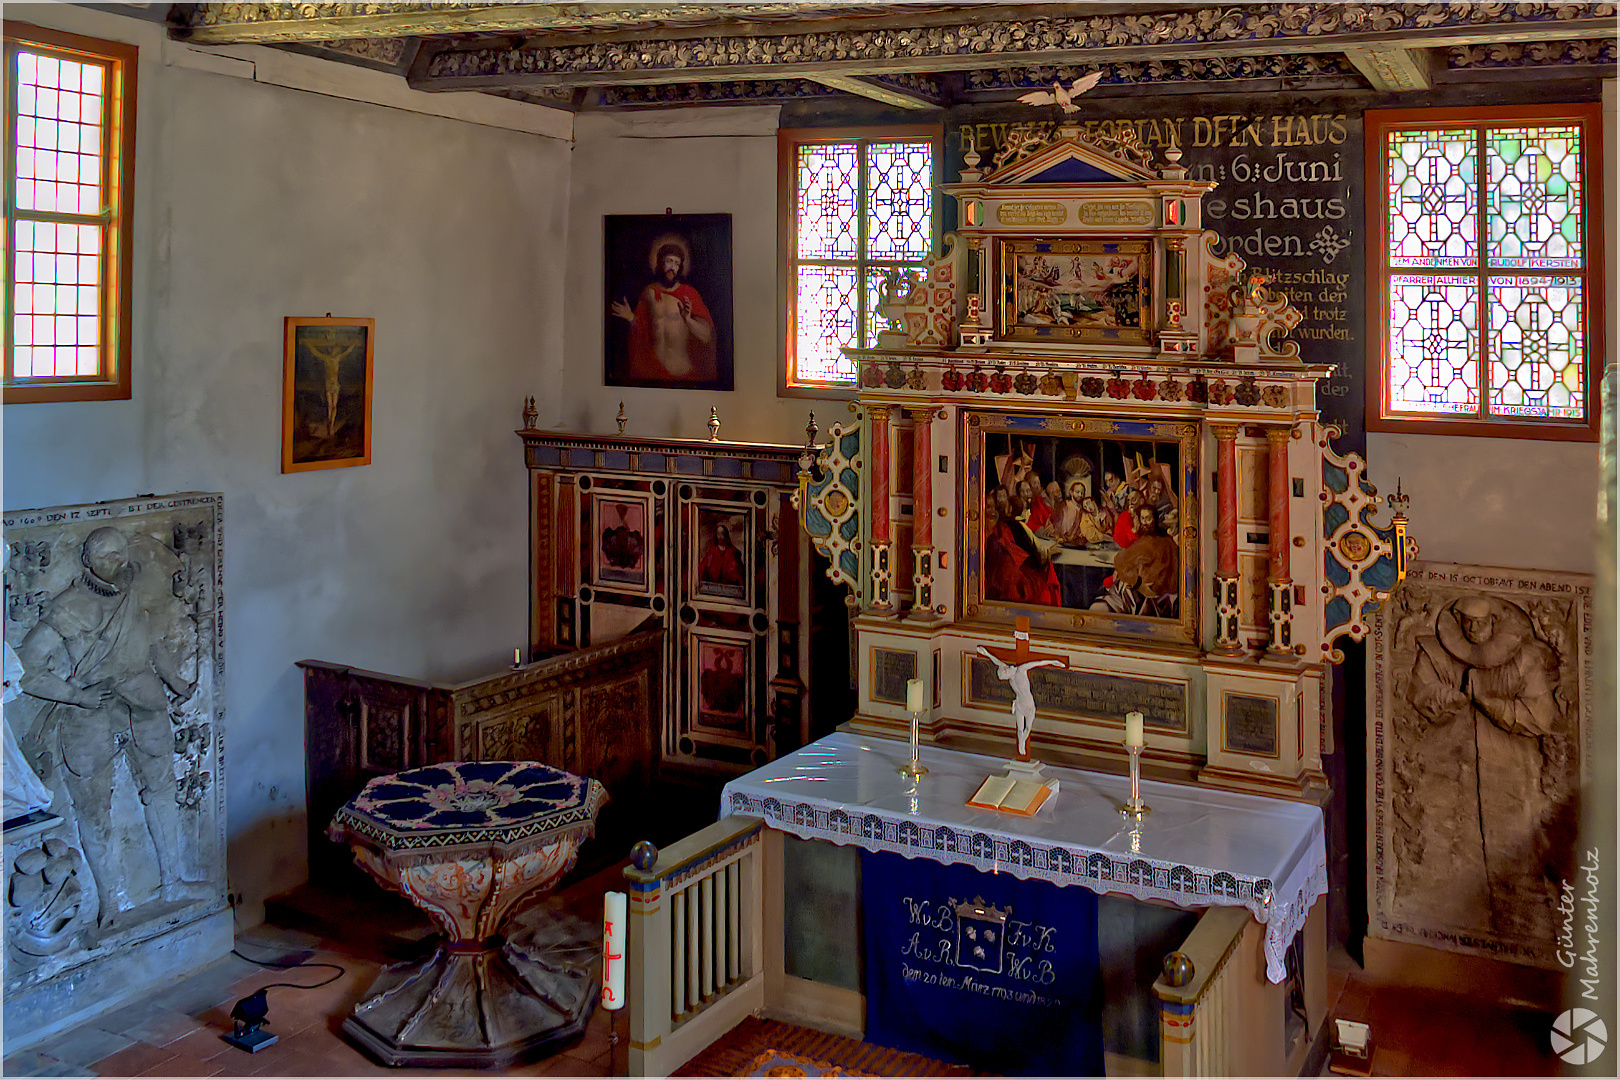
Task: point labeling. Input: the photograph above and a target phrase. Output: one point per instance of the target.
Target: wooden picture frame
(1026, 555)
(1091, 290)
(667, 279)
(722, 557)
(723, 688)
(622, 540)
(326, 393)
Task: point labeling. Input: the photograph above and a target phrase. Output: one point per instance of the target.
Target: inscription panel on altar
(1250, 724)
(1085, 695)
(891, 670)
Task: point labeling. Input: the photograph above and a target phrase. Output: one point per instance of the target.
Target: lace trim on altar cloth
(1281, 907)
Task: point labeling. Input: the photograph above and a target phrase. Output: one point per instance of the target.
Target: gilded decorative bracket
(829, 506)
(1363, 563)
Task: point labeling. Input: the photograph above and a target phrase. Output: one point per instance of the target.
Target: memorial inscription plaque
(891, 670)
(1086, 695)
(1251, 724)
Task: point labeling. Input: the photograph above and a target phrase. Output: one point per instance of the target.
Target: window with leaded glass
(1486, 270)
(70, 124)
(859, 208)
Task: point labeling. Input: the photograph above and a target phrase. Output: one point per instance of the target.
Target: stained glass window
(1485, 281)
(863, 210)
(68, 108)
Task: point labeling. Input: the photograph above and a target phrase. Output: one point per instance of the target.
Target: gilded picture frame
(1042, 499)
(1092, 290)
(327, 368)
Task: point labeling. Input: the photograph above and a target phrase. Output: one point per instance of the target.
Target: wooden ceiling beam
(574, 24)
(887, 93)
(821, 56)
(1393, 70)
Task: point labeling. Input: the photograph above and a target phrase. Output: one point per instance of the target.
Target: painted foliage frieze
(114, 800)
(1477, 707)
(977, 40)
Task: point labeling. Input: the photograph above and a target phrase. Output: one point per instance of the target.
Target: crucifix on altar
(1024, 787)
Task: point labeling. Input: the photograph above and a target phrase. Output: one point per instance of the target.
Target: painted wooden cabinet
(701, 535)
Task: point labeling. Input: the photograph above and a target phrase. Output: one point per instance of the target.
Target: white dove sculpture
(1063, 96)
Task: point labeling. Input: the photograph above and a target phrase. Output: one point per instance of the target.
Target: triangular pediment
(1074, 159)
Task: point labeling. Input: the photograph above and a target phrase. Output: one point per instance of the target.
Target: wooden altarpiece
(1080, 354)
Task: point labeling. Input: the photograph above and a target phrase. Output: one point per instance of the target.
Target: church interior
(810, 539)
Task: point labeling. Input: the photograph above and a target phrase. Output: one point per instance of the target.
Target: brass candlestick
(1135, 807)
(913, 768)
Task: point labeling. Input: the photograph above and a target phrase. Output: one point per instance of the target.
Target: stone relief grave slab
(114, 795)
(1478, 729)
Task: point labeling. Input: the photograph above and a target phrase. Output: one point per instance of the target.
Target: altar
(1084, 433)
(1196, 849)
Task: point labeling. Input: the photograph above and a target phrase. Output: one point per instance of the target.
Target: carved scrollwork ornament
(48, 900)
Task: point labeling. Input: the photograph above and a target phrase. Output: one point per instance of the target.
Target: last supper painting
(1085, 529)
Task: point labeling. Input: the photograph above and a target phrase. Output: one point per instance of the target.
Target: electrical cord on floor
(301, 964)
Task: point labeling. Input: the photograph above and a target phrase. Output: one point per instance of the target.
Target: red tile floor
(1423, 1023)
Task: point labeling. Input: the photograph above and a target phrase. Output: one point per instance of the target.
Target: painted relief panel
(1079, 523)
(1477, 721)
(114, 804)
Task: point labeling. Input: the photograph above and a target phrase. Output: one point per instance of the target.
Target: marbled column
(882, 574)
(1226, 560)
(1174, 302)
(1279, 582)
(922, 509)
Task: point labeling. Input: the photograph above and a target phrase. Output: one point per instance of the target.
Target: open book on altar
(1012, 795)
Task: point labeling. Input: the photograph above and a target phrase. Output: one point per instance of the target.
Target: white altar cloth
(1197, 848)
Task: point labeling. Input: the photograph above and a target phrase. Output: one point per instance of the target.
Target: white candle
(517, 657)
(1133, 729)
(915, 702)
(614, 910)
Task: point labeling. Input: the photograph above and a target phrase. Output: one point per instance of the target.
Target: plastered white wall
(691, 161)
(1520, 503)
(254, 202)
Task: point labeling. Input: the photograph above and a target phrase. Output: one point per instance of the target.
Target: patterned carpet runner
(771, 1048)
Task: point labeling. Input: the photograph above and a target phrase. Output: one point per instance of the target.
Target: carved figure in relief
(1486, 682)
(106, 655)
(671, 330)
(24, 791)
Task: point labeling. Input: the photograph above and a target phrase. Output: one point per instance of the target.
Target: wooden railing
(1228, 1019)
(696, 943)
